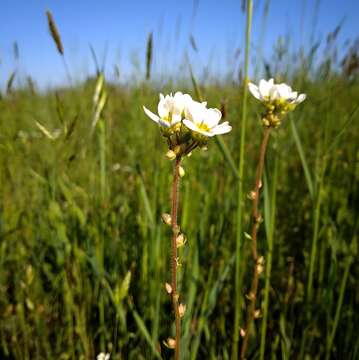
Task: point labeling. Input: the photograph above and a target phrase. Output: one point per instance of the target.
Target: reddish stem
(175, 233)
(256, 221)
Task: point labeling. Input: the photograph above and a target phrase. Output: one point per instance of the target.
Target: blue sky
(123, 26)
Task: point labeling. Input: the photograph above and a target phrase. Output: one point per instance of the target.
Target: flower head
(204, 121)
(186, 123)
(279, 99)
(170, 109)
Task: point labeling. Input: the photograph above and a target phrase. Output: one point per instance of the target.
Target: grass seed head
(54, 32)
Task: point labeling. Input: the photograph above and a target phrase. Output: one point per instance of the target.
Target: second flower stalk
(186, 125)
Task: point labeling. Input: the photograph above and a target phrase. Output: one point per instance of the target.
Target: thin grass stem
(239, 229)
(339, 307)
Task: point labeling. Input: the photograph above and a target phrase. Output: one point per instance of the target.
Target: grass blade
(303, 159)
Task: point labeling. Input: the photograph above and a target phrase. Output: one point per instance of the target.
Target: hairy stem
(175, 233)
(256, 222)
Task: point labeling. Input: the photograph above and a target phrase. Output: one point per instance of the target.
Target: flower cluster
(186, 123)
(279, 99)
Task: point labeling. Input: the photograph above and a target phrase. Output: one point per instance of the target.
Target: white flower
(268, 91)
(170, 109)
(103, 356)
(204, 121)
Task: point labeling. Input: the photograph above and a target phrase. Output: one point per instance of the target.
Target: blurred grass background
(83, 252)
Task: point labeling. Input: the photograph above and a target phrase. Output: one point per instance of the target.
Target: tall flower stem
(251, 312)
(175, 233)
(271, 198)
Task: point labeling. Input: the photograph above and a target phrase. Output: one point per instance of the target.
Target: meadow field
(84, 253)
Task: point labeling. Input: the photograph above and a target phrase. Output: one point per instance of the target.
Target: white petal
(207, 133)
(218, 130)
(178, 104)
(212, 117)
(254, 91)
(284, 91)
(163, 108)
(195, 111)
(187, 97)
(151, 115)
(273, 93)
(294, 95)
(265, 87)
(176, 118)
(223, 124)
(191, 125)
(164, 123)
(169, 102)
(301, 98)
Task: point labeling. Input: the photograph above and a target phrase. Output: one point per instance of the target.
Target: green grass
(66, 247)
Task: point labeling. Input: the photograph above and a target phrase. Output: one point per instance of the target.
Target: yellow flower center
(203, 127)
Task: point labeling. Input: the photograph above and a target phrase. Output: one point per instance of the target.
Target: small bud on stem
(181, 171)
(168, 288)
(170, 343)
(167, 219)
(257, 314)
(180, 240)
(181, 310)
(171, 155)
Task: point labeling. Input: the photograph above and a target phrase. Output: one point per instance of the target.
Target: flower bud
(170, 154)
(168, 288)
(265, 122)
(252, 195)
(170, 343)
(259, 219)
(167, 219)
(181, 310)
(260, 265)
(181, 171)
(178, 263)
(180, 240)
(260, 268)
(177, 150)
